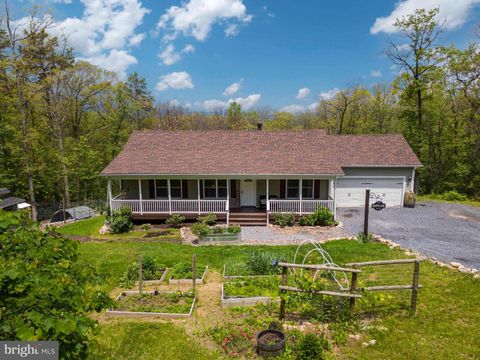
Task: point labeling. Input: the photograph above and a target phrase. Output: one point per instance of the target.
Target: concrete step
(249, 223)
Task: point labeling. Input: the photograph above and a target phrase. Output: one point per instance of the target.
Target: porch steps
(248, 218)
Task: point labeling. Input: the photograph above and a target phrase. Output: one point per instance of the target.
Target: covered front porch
(158, 198)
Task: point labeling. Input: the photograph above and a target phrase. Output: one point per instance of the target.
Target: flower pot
(270, 343)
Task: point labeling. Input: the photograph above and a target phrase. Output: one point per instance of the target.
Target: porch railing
(298, 206)
(172, 206)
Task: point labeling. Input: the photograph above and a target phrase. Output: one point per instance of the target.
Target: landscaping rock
(355, 337)
(455, 264)
(369, 343)
(476, 276)
(105, 229)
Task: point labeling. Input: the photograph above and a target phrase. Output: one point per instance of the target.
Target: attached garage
(350, 190)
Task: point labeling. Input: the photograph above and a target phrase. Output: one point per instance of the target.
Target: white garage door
(350, 191)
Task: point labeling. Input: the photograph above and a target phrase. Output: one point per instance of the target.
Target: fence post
(140, 275)
(353, 288)
(416, 273)
(194, 271)
(282, 295)
(367, 205)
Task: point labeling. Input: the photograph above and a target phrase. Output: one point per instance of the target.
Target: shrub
(200, 229)
(146, 227)
(453, 196)
(46, 293)
(175, 220)
(121, 221)
(261, 263)
(183, 270)
(361, 237)
(311, 347)
(233, 229)
(209, 219)
(284, 219)
(321, 217)
(151, 270)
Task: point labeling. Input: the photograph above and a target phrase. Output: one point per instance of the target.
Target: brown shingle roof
(232, 152)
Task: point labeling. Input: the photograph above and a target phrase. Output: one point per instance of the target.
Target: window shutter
(282, 189)
(316, 189)
(184, 189)
(151, 189)
(233, 189)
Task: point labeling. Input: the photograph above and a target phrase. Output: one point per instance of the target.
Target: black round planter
(267, 348)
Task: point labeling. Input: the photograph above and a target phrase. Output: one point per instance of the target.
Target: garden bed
(250, 290)
(153, 303)
(182, 274)
(242, 273)
(221, 237)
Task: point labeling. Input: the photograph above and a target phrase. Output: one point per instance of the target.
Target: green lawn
(132, 339)
(435, 198)
(90, 228)
(446, 326)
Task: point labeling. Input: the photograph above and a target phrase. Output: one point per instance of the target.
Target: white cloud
(105, 31)
(214, 105)
(169, 56)
(233, 88)
(303, 93)
(376, 73)
(246, 103)
(175, 80)
(328, 95)
(453, 12)
(295, 108)
(196, 18)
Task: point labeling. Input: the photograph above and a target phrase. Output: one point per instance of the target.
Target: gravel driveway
(449, 232)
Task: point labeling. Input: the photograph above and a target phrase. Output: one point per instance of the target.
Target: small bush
(361, 237)
(121, 221)
(261, 263)
(175, 220)
(284, 219)
(453, 196)
(321, 217)
(311, 347)
(209, 219)
(233, 229)
(183, 270)
(146, 227)
(200, 229)
(152, 269)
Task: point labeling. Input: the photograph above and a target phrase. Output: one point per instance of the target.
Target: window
(215, 189)
(161, 189)
(176, 189)
(222, 188)
(210, 189)
(292, 189)
(307, 189)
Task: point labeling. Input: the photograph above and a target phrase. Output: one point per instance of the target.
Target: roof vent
(259, 126)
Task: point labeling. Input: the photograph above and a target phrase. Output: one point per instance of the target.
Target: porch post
(140, 195)
(109, 193)
(334, 200)
(169, 197)
(267, 202)
(300, 195)
(198, 195)
(227, 209)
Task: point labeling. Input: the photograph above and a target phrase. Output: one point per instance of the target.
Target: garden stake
(140, 276)
(416, 271)
(353, 288)
(282, 296)
(367, 205)
(194, 270)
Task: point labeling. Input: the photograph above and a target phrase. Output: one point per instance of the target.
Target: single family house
(245, 176)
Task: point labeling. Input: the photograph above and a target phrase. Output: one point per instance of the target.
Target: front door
(247, 195)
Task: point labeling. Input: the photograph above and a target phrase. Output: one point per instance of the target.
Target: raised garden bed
(182, 274)
(221, 237)
(240, 272)
(152, 272)
(153, 303)
(216, 233)
(250, 290)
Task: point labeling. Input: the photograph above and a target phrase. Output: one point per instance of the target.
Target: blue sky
(264, 52)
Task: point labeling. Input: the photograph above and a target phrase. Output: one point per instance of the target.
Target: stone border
(409, 252)
(189, 281)
(246, 301)
(111, 312)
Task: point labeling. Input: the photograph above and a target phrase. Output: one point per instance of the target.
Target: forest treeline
(62, 120)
